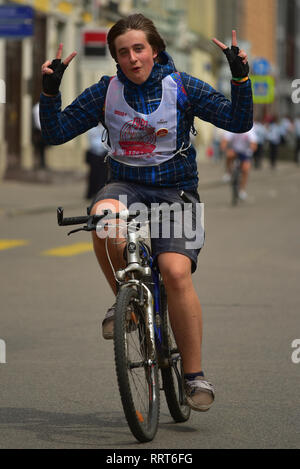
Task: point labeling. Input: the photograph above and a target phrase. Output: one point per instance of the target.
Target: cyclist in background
(145, 108)
(240, 146)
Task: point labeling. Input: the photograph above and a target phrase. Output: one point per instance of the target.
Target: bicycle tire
(137, 377)
(172, 384)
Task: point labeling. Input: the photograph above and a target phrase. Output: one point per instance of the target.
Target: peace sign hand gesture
(238, 59)
(53, 71)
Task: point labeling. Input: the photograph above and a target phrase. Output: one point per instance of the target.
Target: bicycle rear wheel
(172, 375)
(137, 373)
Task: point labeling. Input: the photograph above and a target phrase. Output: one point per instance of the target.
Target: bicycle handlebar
(92, 220)
(70, 220)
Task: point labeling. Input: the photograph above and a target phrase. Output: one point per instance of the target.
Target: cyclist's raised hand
(238, 59)
(53, 71)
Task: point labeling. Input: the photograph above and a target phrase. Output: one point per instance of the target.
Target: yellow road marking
(11, 243)
(67, 251)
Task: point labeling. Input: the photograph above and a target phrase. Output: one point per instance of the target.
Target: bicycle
(143, 339)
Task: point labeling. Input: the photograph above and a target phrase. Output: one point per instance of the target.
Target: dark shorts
(242, 157)
(181, 232)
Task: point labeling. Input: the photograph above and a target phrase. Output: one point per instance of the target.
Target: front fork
(145, 300)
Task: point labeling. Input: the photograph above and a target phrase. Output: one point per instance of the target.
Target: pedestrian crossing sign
(263, 88)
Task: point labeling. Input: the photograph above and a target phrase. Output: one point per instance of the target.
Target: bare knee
(175, 270)
(114, 206)
(107, 204)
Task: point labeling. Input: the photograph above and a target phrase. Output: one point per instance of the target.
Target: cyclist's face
(135, 55)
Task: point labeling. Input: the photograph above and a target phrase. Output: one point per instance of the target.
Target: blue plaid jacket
(181, 171)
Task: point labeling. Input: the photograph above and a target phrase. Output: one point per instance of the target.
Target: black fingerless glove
(51, 82)
(237, 67)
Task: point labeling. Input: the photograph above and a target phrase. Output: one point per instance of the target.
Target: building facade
(55, 21)
(288, 53)
(268, 29)
(188, 41)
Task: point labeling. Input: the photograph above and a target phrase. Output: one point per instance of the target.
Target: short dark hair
(138, 22)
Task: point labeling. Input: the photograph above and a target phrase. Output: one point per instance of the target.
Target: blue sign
(16, 21)
(261, 66)
(263, 87)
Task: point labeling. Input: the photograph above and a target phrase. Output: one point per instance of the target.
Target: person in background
(286, 129)
(241, 146)
(95, 158)
(297, 139)
(274, 138)
(260, 132)
(37, 139)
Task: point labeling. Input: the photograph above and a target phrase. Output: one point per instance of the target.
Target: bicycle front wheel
(137, 372)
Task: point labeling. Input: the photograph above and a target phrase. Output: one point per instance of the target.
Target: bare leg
(115, 245)
(230, 157)
(184, 308)
(246, 166)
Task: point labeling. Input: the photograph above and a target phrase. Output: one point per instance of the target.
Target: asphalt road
(58, 385)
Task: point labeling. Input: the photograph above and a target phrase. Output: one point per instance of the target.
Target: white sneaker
(109, 320)
(243, 195)
(226, 178)
(108, 323)
(200, 394)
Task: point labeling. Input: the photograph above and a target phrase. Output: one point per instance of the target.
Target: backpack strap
(183, 101)
(110, 79)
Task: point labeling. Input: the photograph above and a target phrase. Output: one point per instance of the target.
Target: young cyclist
(144, 107)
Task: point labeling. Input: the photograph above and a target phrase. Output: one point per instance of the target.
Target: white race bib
(141, 139)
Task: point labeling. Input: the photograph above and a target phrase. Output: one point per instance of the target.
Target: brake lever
(78, 229)
(89, 227)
